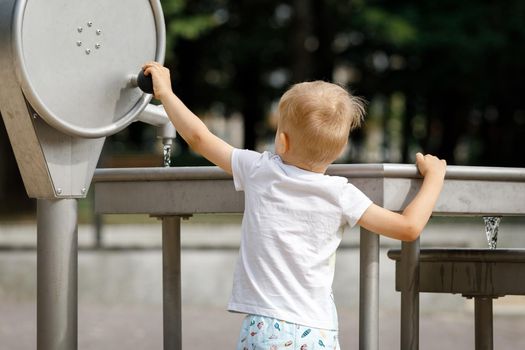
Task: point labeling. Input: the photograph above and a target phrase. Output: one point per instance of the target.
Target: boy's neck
(321, 169)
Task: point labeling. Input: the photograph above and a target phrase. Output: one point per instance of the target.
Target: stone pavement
(120, 291)
(139, 327)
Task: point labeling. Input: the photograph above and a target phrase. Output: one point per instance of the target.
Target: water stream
(491, 230)
(167, 155)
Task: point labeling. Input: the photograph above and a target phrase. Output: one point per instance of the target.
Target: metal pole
(483, 323)
(369, 291)
(171, 283)
(98, 223)
(410, 295)
(57, 274)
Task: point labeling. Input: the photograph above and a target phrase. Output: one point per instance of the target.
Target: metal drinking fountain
(69, 76)
(65, 87)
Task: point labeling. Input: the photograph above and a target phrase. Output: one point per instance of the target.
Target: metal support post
(57, 274)
(369, 291)
(98, 224)
(410, 295)
(171, 282)
(483, 323)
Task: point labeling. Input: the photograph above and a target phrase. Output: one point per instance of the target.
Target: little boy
(294, 214)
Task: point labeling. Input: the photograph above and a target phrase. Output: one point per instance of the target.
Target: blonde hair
(318, 117)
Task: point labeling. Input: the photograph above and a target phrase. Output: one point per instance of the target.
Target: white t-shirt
(292, 225)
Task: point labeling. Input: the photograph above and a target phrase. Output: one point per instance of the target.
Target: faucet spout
(157, 116)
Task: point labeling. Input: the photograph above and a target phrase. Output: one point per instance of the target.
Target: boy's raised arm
(408, 225)
(187, 124)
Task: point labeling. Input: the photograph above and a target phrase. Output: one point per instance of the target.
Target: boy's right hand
(161, 79)
(429, 164)
(408, 225)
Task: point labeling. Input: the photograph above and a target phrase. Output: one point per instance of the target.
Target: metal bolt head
(97, 46)
(83, 190)
(79, 29)
(79, 43)
(99, 31)
(59, 190)
(88, 51)
(90, 24)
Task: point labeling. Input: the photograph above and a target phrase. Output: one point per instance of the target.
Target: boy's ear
(284, 143)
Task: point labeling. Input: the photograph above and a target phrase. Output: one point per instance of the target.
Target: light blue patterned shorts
(266, 333)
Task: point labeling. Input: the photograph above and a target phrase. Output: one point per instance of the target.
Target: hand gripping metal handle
(143, 82)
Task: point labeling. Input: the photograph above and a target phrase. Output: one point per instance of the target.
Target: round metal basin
(470, 272)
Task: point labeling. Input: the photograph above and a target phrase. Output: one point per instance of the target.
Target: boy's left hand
(161, 79)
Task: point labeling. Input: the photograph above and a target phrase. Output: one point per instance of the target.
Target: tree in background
(463, 75)
(443, 77)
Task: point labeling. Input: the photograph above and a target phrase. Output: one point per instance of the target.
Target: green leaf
(191, 27)
(391, 28)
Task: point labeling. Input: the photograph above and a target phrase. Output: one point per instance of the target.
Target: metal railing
(170, 193)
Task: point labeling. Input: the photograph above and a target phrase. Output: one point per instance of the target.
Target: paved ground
(120, 289)
(139, 327)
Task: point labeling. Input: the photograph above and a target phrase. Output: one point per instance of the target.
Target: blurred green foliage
(443, 77)
(182, 25)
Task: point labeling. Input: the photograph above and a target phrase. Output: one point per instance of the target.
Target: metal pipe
(410, 295)
(369, 291)
(409, 171)
(167, 133)
(171, 283)
(483, 323)
(154, 115)
(345, 170)
(160, 174)
(57, 274)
